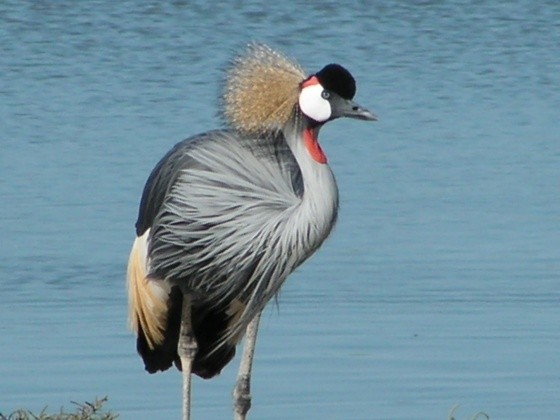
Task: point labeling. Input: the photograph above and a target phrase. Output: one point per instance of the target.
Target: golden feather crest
(261, 89)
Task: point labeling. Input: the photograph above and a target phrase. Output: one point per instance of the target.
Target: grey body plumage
(230, 225)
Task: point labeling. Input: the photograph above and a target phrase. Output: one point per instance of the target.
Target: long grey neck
(317, 211)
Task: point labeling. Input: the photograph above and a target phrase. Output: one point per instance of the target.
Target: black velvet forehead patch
(336, 78)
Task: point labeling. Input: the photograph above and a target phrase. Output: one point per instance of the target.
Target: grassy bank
(86, 411)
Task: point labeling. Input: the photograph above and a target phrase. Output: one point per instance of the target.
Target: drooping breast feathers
(261, 90)
(217, 205)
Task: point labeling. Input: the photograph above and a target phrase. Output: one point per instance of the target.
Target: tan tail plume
(147, 300)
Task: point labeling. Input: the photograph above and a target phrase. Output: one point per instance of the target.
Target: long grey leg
(242, 390)
(186, 350)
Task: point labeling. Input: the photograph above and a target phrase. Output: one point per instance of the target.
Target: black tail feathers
(209, 325)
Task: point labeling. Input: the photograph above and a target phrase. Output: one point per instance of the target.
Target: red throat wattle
(312, 145)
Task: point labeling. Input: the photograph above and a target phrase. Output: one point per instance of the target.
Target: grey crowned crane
(227, 215)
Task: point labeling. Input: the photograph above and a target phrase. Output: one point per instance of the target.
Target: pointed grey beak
(350, 109)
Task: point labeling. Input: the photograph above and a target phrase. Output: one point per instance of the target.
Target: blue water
(440, 284)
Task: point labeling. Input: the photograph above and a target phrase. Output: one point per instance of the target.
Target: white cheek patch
(313, 104)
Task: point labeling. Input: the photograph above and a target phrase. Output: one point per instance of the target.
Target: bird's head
(263, 88)
(327, 95)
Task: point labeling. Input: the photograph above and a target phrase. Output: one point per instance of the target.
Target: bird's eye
(325, 94)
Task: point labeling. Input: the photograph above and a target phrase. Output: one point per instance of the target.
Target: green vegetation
(95, 411)
(85, 411)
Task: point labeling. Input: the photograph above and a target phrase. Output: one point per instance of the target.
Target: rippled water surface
(440, 285)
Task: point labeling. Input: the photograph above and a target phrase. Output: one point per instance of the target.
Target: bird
(227, 215)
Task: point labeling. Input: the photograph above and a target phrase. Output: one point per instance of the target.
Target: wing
(165, 173)
(215, 205)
